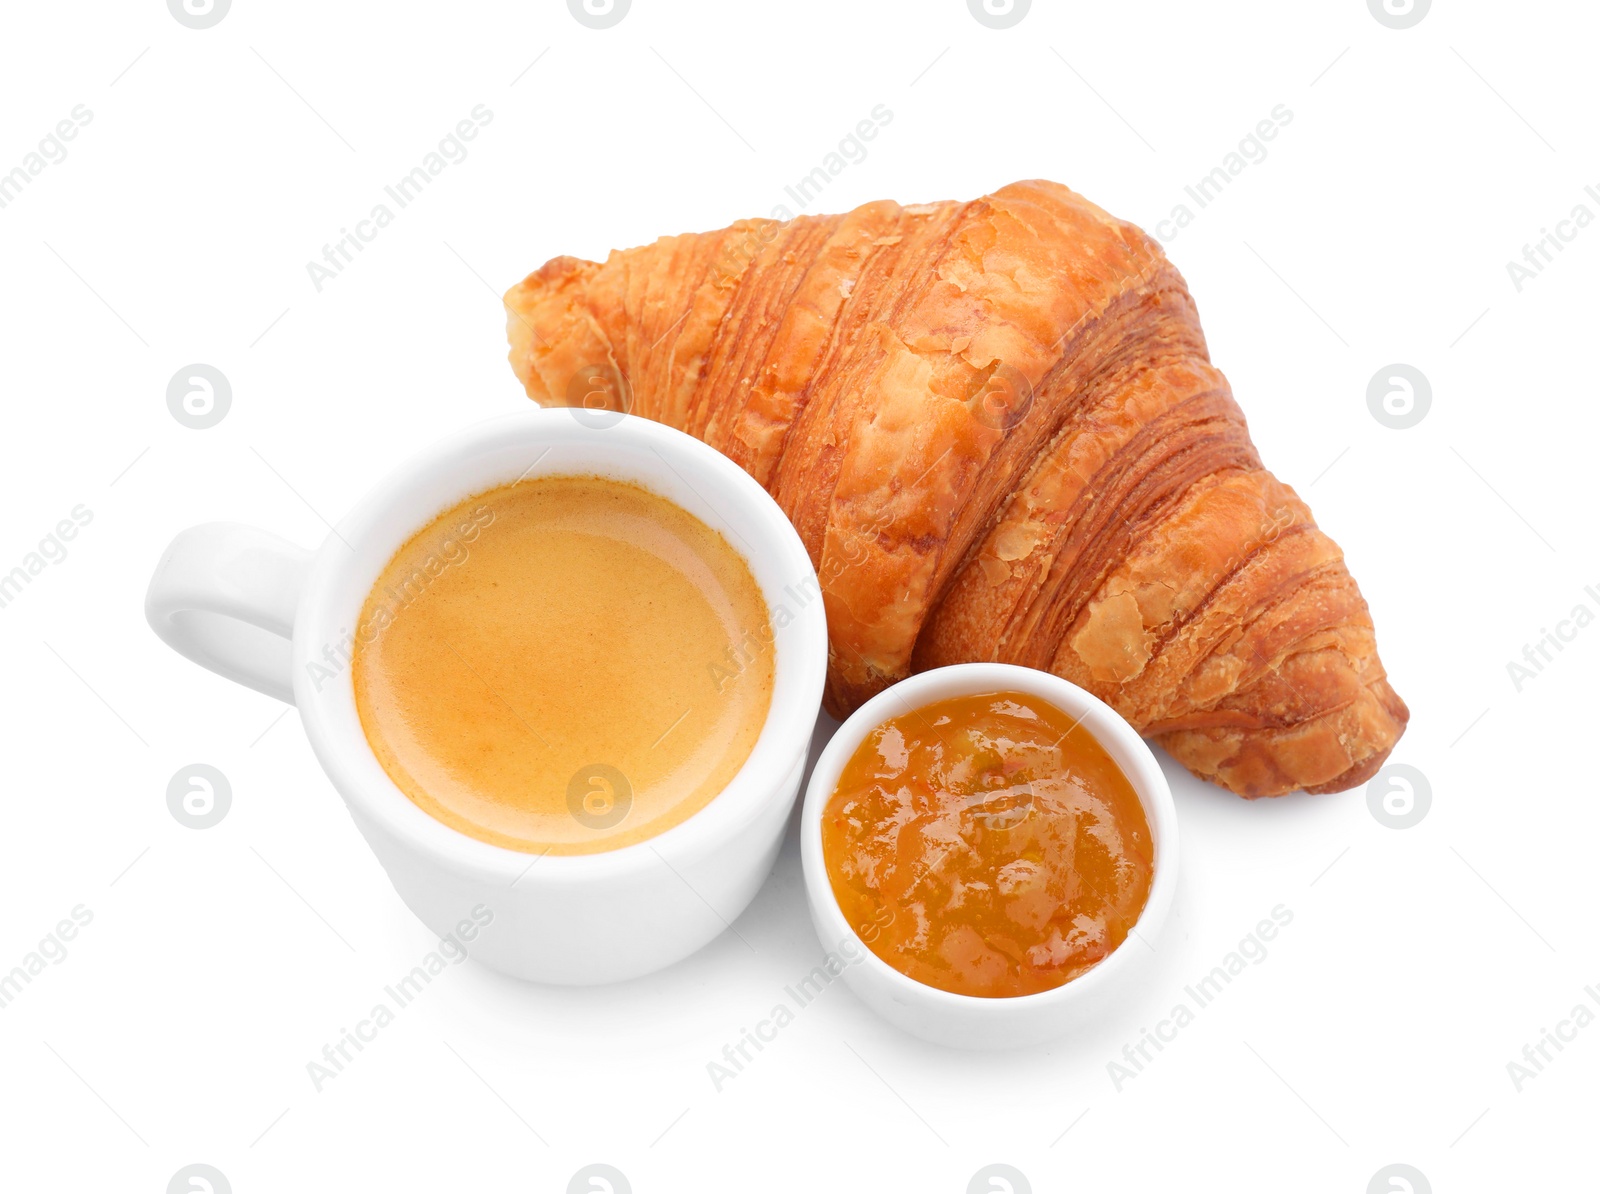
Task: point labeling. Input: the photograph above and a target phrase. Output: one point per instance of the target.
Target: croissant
(997, 430)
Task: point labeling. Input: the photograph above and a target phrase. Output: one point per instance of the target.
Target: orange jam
(987, 845)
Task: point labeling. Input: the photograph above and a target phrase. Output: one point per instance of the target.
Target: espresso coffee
(564, 665)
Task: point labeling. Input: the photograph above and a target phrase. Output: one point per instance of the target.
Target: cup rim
(348, 758)
(1131, 753)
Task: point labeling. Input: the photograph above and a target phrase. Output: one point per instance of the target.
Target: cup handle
(224, 595)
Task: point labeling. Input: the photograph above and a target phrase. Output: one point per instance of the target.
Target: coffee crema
(564, 665)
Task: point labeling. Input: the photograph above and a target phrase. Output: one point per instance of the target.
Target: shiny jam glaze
(987, 845)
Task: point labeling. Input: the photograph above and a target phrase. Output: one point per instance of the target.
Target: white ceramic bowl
(968, 1021)
(266, 613)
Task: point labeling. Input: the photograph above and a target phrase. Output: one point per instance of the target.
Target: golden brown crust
(996, 428)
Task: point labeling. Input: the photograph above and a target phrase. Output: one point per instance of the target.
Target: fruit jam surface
(987, 845)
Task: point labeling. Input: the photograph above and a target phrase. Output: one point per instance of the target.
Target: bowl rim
(1120, 740)
(338, 584)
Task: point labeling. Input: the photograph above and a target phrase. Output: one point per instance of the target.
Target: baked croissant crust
(997, 429)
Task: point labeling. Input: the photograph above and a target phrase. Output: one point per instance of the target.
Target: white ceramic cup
(969, 1021)
(271, 615)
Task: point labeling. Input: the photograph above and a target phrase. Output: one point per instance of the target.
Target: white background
(218, 963)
